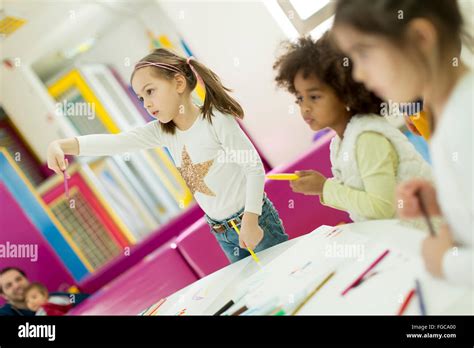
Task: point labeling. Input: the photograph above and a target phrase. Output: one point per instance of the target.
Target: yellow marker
(282, 176)
(250, 250)
(422, 123)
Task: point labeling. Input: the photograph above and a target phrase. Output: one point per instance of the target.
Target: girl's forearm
(70, 146)
(249, 217)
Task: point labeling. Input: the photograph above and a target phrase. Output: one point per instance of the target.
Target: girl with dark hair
(404, 49)
(368, 155)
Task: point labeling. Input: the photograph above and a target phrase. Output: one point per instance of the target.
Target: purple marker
(66, 187)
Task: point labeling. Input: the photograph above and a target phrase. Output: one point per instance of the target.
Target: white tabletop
(393, 233)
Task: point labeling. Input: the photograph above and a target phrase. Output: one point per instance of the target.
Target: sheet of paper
(384, 289)
(199, 296)
(348, 250)
(303, 265)
(223, 284)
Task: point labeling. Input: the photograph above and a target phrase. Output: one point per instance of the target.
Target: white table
(390, 232)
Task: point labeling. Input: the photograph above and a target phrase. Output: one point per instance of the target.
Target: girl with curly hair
(369, 156)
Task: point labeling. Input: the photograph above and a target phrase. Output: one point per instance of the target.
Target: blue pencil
(420, 297)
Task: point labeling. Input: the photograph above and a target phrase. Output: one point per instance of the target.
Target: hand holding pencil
(250, 249)
(417, 195)
(250, 233)
(419, 200)
(310, 182)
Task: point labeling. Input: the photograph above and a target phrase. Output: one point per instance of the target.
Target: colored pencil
(225, 307)
(421, 300)
(282, 176)
(359, 278)
(312, 293)
(406, 302)
(155, 307)
(240, 310)
(66, 186)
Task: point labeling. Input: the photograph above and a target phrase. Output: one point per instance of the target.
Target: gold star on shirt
(193, 174)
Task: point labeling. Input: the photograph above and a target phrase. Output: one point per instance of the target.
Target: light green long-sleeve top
(377, 161)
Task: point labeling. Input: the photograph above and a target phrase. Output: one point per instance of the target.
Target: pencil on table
(312, 293)
(420, 297)
(406, 302)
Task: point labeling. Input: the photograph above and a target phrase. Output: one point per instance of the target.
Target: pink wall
(16, 228)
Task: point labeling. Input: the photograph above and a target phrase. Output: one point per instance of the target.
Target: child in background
(402, 50)
(418, 120)
(38, 300)
(420, 123)
(369, 156)
(203, 141)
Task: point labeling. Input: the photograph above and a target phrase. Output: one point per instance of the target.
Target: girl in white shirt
(216, 159)
(404, 49)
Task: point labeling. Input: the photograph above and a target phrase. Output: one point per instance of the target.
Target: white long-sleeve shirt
(452, 153)
(218, 162)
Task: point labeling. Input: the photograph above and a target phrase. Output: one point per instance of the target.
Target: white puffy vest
(343, 153)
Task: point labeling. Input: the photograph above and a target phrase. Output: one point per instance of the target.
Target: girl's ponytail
(167, 64)
(216, 93)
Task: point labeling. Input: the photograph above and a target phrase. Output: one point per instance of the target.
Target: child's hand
(411, 127)
(56, 158)
(310, 182)
(410, 205)
(250, 232)
(433, 250)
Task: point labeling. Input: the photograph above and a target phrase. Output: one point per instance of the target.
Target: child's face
(160, 97)
(380, 66)
(35, 299)
(319, 105)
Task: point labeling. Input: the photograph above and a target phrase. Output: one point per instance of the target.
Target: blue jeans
(269, 221)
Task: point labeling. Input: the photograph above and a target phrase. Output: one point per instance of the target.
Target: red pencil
(406, 302)
(359, 278)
